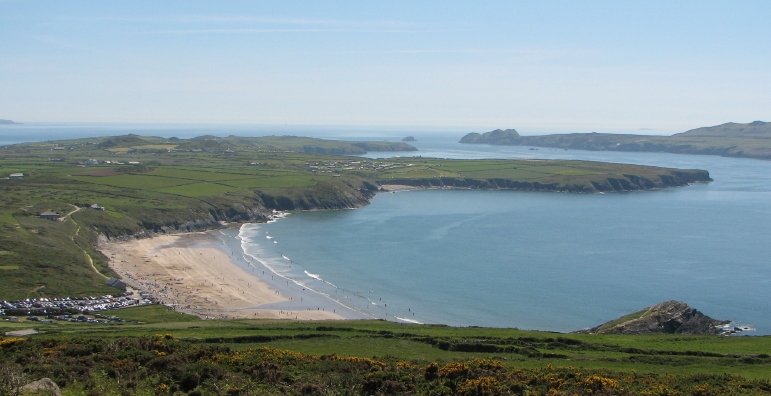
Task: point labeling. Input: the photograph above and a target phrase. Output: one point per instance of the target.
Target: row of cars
(70, 309)
(97, 318)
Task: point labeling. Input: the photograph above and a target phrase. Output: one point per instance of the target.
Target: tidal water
(540, 260)
(531, 260)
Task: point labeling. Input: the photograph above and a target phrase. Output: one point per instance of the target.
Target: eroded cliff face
(217, 212)
(671, 317)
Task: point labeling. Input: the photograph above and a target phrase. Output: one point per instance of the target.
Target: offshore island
(751, 140)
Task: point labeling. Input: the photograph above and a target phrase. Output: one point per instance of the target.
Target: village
(351, 165)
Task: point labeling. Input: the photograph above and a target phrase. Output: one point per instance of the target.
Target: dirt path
(77, 231)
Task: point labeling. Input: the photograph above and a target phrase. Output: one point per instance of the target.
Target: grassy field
(511, 360)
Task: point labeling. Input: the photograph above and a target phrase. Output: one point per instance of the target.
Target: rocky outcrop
(500, 137)
(42, 387)
(671, 317)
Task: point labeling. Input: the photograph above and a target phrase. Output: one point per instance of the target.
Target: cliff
(216, 211)
(671, 317)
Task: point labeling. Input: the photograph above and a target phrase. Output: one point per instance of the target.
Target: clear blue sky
(599, 65)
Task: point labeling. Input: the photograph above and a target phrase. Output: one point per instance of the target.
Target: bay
(532, 260)
(542, 260)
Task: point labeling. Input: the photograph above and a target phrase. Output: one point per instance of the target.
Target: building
(112, 282)
(18, 175)
(49, 215)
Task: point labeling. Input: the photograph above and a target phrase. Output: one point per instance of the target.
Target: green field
(376, 357)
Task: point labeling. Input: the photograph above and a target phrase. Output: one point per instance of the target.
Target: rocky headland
(671, 317)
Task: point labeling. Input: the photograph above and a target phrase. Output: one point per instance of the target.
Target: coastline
(202, 274)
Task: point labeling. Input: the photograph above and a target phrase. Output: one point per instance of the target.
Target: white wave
(277, 215)
(407, 320)
(268, 236)
(285, 257)
(314, 276)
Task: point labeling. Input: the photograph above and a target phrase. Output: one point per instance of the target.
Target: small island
(409, 139)
(9, 122)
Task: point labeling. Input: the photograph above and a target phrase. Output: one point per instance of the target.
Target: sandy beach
(193, 273)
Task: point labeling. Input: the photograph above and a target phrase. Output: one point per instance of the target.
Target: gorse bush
(165, 365)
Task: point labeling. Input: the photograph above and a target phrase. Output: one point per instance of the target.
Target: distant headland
(9, 122)
(751, 140)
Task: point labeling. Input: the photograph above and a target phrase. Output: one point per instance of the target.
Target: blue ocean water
(532, 260)
(541, 260)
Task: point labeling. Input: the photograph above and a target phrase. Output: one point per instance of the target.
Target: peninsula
(9, 122)
(752, 140)
(125, 187)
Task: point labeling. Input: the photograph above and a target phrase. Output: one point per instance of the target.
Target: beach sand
(194, 274)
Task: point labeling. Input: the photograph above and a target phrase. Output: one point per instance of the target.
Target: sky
(652, 66)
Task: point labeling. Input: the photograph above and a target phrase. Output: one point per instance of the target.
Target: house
(19, 175)
(112, 282)
(49, 215)
(92, 162)
(97, 207)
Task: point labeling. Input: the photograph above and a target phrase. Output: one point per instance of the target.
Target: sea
(529, 260)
